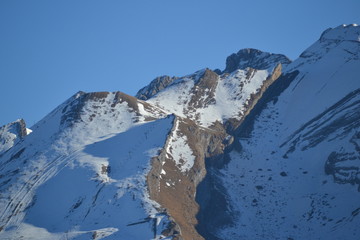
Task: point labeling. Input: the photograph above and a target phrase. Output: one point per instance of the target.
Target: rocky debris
(154, 87)
(344, 165)
(254, 58)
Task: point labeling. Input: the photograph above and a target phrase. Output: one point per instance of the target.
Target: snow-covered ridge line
(343, 32)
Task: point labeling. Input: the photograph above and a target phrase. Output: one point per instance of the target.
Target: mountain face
(265, 149)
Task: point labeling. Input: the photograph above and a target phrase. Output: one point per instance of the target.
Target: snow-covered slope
(65, 180)
(296, 174)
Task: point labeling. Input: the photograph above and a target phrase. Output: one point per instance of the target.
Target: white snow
(232, 93)
(153, 152)
(177, 147)
(28, 131)
(175, 97)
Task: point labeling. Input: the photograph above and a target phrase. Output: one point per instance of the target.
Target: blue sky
(49, 50)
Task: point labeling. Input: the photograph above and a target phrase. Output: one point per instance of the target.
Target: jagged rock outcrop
(253, 58)
(154, 87)
(12, 133)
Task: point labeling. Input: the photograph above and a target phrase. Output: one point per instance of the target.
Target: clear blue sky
(49, 50)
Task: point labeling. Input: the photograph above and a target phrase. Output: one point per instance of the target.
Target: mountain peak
(253, 58)
(344, 32)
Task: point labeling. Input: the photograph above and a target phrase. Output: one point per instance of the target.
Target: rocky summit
(267, 148)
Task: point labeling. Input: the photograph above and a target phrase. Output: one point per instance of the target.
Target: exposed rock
(154, 87)
(204, 91)
(253, 58)
(344, 165)
(12, 133)
(72, 111)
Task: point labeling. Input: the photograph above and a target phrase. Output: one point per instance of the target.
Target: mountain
(268, 148)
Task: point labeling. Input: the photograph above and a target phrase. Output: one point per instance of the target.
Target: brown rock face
(176, 190)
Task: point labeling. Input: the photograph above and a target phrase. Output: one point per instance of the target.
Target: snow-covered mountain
(265, 149)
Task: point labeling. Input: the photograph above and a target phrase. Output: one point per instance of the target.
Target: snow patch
(231, 96)
(28, 131)
(175, 97)
(179, 149)
(153, 152)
